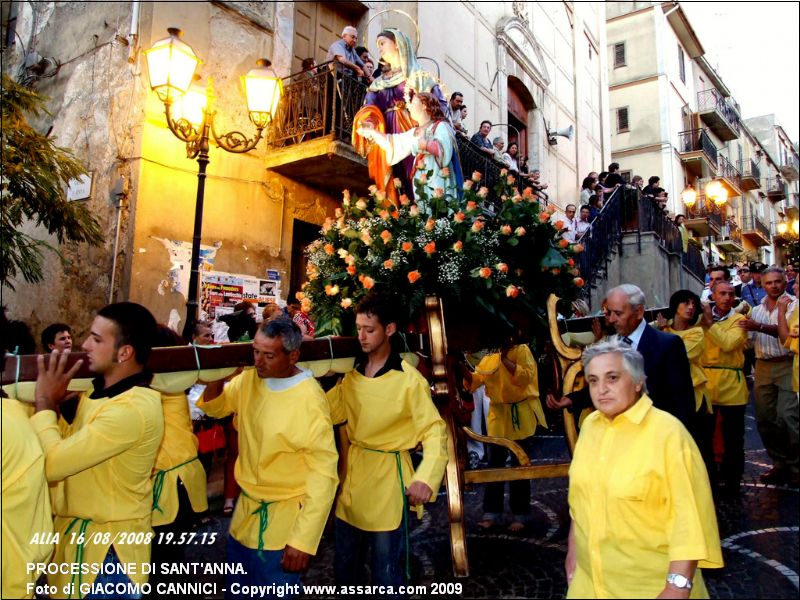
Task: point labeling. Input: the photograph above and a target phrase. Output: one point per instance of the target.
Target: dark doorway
(303, 233)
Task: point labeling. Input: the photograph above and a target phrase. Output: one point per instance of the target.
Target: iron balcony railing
(694, 140)
(730, 231)
(601, 241)
(652, 219)
(748, 168)
(316, 103)
(726, 169)
(706, 210)
(751, 222)
(693, 261)
(713, 100)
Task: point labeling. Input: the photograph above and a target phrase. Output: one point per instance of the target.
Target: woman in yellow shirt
(685, 308)
(512, 384)
(643, 519)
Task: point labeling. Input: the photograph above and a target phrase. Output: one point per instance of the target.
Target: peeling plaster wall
(102, 108)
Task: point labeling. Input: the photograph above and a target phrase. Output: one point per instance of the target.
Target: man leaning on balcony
(343, 51)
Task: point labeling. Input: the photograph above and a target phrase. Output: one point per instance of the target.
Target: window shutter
(619, 55)
(681, 64)
(622, 119)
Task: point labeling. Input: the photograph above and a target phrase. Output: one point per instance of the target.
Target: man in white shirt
(570, 223)
(454, 110)
(776, 402)
(583, 224)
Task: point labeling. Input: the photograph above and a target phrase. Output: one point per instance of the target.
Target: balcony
(751, 175)
(776, 189)
(704, 220)
(698, 153)
(310, 136)
(717, 112)
(755, 231)
(729, 176)
(730, 238)
(790, 168)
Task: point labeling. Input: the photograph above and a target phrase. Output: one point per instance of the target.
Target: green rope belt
(263, 518)
(738, 370)
(399, 465)
(158, 483)
(78, 552)
(515, 415)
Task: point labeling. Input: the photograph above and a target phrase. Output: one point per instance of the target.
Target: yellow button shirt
(639, 498)
(177, 458)
(694, 340)
(287, 458)
(723, 360)
(792, 345)
(515, 408)
(25, 500)
(103, 466)
(386, 414)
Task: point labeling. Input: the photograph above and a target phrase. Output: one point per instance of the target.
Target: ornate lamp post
(190, 116)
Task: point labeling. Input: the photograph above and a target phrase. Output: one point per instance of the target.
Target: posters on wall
(220, 292)
(180, 257)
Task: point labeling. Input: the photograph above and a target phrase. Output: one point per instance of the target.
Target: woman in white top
(510, 156)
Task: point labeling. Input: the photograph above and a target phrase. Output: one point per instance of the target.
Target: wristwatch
(679, 581)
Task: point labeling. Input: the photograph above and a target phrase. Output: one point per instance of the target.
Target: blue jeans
(262, 568)
(387, 563)
(113, 578)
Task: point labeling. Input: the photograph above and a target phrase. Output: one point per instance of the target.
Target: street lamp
(190, 113)
(718, 196)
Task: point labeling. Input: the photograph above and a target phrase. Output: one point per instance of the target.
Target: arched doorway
(520, 103)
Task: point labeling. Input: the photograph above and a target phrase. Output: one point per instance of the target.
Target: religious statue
(386, 108)
(431, 147)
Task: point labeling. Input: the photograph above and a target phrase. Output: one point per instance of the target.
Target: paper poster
(180, 257)
(220, 292)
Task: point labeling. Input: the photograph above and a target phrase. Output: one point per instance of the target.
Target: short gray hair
(498, 140)
(349, 29)
(284, 328)
(635, 295)
(631, 359)
(775, 269)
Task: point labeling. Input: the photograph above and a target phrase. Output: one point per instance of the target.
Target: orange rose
(386, 236)
(505, 230)
(510, 180)
(471, 205)
(430, 248)
(407, 246)
(404, 200)
(512, 291)
(414, 276)
(502, 267)
(346, 302)
(430, 224)
(388, 264)
(520, 231)
(458, 246)
(562, 243)
(459, 217)
(351, 270)
(559, 225)
(578, 248)
(527, 192)
(571, 262)
(485, 272)
(578, 281)
(369, 283)
(555, 270)
(476, 176)
(477, 226)
(329, 250)
(384, 214)
(544, 217)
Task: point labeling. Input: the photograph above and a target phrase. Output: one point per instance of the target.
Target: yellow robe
(639, 498)
(26, 502)
(792, 345)
(287, 458)
(177, 458)
(386, 414)
(694, 340)
(724, 347)
(515, 408)
(103, 466)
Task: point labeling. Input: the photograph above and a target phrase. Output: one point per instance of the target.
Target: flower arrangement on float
(491, 264)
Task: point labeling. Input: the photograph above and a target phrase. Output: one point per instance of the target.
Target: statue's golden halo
(400, 12)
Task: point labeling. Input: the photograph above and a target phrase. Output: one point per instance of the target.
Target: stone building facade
(537, 65)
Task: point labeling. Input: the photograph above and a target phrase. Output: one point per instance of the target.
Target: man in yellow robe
(388, 409)
(512, 384)
(726, 387)
(102, 460)
(286, 466)
(25, 500)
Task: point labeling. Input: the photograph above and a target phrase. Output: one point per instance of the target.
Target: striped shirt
(768, 346)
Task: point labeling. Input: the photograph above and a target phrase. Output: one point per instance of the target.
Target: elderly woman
(643, 519)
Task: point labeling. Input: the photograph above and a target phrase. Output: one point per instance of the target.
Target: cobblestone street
(759, 533)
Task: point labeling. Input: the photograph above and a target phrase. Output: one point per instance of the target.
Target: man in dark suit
(669, 380)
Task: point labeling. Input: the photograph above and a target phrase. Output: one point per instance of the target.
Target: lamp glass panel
(191, 106)
(782, 227)
(171, 64)
(263, 91)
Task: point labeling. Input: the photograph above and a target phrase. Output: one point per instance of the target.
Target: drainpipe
(115, 251)
(133, 36)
